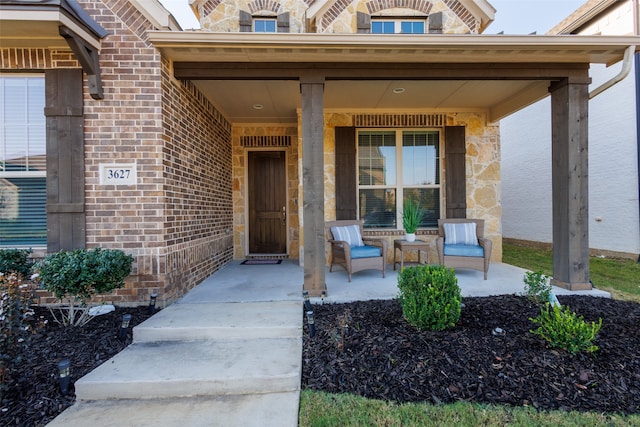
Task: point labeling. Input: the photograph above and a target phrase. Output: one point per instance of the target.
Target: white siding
(614, 221)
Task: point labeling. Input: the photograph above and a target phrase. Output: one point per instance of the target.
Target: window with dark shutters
(246, 22)
(283, 22)
(456, 179)
(346, 186)
(65, 160)
(363, 22)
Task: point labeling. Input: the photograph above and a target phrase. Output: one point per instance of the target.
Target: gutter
(627, 61)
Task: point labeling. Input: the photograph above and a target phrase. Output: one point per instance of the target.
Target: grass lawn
(620, 277)
(317, 409)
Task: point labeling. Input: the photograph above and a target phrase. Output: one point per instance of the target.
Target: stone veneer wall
(483, 177)
(177, 221)
(218, 16)
(240, 192)
(341, 17)
(223, 17)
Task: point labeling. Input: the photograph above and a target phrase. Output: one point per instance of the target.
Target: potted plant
(411, 217)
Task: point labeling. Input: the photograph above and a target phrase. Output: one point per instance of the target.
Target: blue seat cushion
(365, 251)
(464, 250)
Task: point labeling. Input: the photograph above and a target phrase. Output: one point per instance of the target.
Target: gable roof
(480, 9)
(581, 16)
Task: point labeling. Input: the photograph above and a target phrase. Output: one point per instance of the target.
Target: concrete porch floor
(284, 281)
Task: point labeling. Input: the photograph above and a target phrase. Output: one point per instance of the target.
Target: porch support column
(312, 91)
(570, 188)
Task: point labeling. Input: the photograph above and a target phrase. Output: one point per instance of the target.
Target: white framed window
(397, 26)
(396, 165)
(264, 25)
(23, 221)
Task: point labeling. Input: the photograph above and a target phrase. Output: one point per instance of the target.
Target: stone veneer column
(570, 187)
(312, 91)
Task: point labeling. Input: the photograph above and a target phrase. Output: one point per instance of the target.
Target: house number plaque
(118, 174)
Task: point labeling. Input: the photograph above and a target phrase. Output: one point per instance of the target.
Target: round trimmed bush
(430, 297)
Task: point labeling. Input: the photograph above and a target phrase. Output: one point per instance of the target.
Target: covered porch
(306, 77)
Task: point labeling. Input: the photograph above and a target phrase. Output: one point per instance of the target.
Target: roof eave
(247, 47)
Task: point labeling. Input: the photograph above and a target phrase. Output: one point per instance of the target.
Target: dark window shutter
(65, 160)
(346, 186)
(363, 22)
(455, 150)
(435, 23)
(283, 22)
(246, 22)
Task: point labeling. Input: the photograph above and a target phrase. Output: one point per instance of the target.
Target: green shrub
(16, 260)
(75, 277)
(537, 287)
(564, 329)
(16, 300)
(430, 296)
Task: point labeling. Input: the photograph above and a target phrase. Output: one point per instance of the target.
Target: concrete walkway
(229, 353)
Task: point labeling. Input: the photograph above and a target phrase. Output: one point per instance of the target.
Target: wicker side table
(404, 246)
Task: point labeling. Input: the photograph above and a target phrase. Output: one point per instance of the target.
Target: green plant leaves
(430, 296)
(564, 329)
(412, 214)
(80, 274)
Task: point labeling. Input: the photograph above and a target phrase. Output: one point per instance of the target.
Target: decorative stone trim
(269, 5)
(209, 7)
(265, 141)
(463, 14)
(334, 11)
(423, 6)
(399, 120)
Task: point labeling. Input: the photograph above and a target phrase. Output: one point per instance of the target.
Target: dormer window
(264, 25)
(397, 26)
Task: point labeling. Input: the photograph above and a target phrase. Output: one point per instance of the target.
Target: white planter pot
(410, 237)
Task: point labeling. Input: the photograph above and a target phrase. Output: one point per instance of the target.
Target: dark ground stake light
(307, 303)
(311, 324)
(152, 303)
(64, 375)
(124, 327)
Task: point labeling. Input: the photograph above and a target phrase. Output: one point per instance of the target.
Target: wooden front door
(267, 202)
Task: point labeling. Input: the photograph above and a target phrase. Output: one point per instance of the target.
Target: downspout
(636, 30)
(624, 72)
(637, 75)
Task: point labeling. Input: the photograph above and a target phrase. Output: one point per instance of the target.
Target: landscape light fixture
(307, 303)
(64, 375)
(311, 324)
(152, 303)
(124, 326)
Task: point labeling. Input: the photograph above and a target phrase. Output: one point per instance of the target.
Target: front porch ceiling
(280, 100)
(493, 73)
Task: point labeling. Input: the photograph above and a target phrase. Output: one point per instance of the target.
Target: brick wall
(177, 220)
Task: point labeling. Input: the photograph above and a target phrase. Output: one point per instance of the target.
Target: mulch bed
(381, 356)
(33, 397)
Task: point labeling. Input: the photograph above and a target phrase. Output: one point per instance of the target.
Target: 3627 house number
(118, 174)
